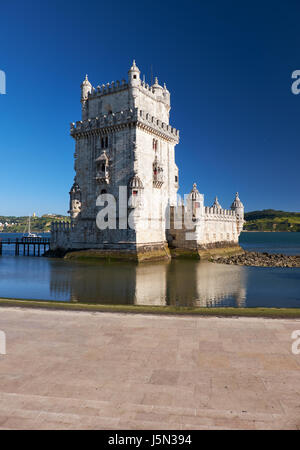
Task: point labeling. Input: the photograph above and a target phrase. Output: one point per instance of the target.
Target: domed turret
(238, 207)
(157, 88)
(195, 194)
(136, 187)
(134, 75)
(86, 88)
(216, 204)
(75, 200)
(135, 182)
(196, 203)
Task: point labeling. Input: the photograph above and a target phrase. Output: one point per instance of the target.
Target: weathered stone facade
(125, 140)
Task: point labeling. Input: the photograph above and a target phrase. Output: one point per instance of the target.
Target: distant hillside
(265, 220)
(272, 220)
(14, 224)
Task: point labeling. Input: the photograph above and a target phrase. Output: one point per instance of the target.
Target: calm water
(185, 283)
(288, 243)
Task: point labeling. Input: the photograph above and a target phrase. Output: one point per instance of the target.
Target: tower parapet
(136, 115)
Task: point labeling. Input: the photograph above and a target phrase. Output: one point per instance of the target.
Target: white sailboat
(29, 234)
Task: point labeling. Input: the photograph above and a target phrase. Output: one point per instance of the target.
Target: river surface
(179, 282)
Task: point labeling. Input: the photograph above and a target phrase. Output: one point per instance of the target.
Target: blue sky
(228, 67)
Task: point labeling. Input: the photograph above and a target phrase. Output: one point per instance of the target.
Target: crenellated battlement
(116, 86)
(108, 88)
(136, 115)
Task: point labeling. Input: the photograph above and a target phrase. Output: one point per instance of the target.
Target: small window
(103, 191)
(106, 142)
(176, 179)
(134, 76)
(103, 167)
(134, 193)
(102, 142)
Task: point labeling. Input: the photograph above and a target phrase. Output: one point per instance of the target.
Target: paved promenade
(72, 370)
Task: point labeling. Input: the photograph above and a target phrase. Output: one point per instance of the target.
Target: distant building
(125, 140)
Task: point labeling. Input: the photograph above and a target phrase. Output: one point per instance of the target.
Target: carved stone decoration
(158, 179)
(102, 169)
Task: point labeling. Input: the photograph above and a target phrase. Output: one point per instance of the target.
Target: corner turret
(134, 75)
(216, 204)
(86, 88)
(75, 201)
(238, 207)
(157, 88)
(195, 203)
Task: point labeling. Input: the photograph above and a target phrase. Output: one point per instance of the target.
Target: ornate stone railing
(61, 226)
(219, 211)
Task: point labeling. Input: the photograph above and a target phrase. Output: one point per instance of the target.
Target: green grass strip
(290, 313)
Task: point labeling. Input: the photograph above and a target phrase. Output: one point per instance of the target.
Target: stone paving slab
(83, 370)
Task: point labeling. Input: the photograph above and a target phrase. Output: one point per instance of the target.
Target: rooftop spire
(134, 67)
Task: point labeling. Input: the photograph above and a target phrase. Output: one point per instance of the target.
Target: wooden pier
(26, 244)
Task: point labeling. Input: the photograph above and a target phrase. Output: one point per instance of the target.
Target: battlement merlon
(106, 122)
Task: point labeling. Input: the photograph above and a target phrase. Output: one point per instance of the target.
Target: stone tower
(123, 139)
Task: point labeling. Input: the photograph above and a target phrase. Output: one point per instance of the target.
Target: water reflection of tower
(151, 284)
(204, 284)
(220, 285)
(60, 282)
(111, 283)
(178, 283)
(100, 283)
